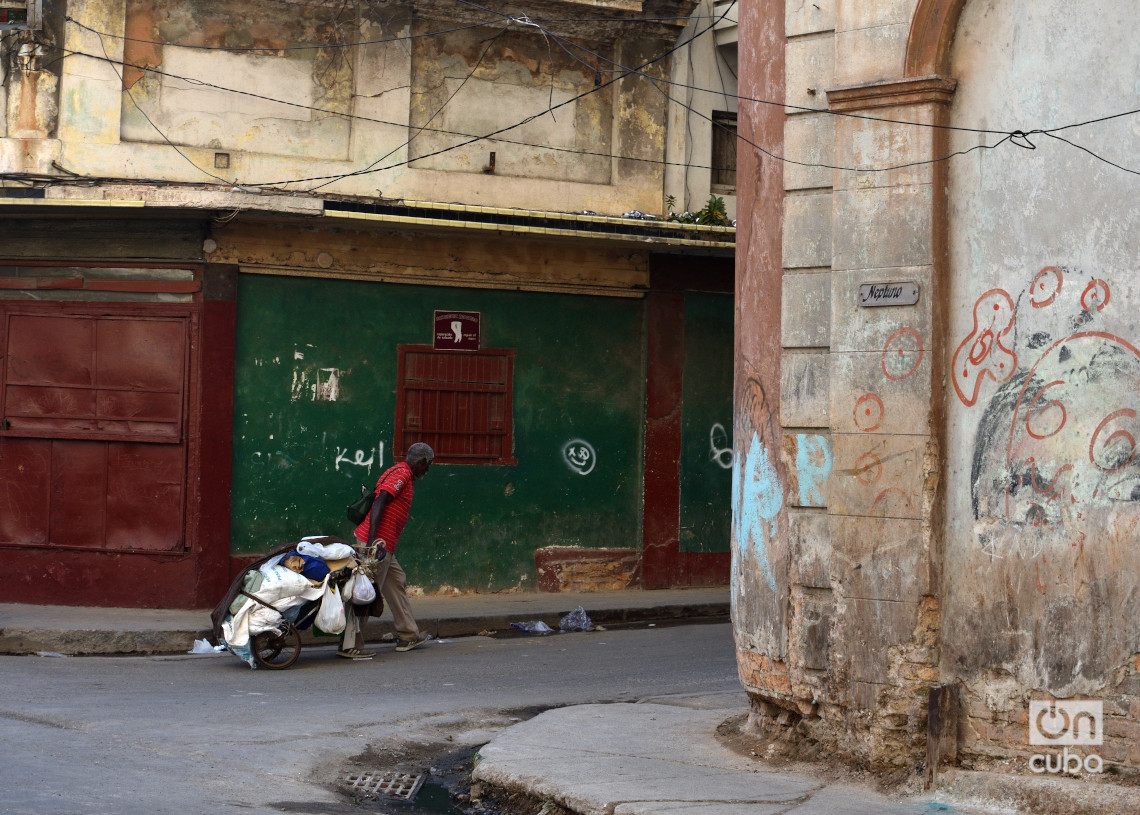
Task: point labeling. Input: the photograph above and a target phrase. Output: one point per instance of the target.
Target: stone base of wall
(570, 568)
(892, 745)
(887, 735)
(995, 732)
(1037, 795)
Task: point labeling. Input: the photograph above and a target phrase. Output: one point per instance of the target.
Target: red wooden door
(92, 438)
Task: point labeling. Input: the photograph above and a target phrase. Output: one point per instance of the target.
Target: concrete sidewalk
(81, 631)
(662, 756)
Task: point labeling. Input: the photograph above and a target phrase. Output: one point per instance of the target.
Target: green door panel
(706, 423)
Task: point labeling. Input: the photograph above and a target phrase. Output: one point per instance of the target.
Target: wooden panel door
(92, 436)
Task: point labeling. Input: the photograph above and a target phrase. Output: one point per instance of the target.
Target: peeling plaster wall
(949, 491)
(534, 78)
(344, 96)
(1043, 477)
(177, 102)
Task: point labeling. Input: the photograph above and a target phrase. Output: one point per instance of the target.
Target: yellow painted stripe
(534, 230)
(458, 282)
(565, 216)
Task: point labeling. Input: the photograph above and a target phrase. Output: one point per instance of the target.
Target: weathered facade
(232, 231)
(934, 498)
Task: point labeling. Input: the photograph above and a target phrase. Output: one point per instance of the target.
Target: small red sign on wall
(456, 331)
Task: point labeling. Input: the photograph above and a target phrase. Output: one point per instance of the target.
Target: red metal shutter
(92, 447)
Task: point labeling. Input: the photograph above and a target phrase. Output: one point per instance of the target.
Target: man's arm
(378, 506)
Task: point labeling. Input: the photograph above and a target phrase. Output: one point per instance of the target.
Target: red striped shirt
(398, 482)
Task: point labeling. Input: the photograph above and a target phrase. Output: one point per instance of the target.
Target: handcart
(280, 647)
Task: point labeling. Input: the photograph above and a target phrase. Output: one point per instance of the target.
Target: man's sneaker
(354, 653)
(408, 645)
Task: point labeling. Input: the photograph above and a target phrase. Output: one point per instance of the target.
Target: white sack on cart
(262, 619)
(281, 582)
(240, 627)
(327, 551)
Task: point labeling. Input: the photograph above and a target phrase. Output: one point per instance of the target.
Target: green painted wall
(298, 460)
(706, 423)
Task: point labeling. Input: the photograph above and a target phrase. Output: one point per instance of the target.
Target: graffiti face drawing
(1072, 438)
(1057, 440)
(579, 456)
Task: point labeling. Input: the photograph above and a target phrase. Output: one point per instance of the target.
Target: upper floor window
(724, 152)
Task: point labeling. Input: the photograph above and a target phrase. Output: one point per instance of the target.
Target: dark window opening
(458, 402)
(723, 152)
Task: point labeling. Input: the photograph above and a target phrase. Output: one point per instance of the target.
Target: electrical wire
(1090, 152)
(261, 48)
(536, 22)
(372, 120)
(620, 72)
(439, 110)
(189, 160)
(1018, 138)
(381, 41)
(373, 169)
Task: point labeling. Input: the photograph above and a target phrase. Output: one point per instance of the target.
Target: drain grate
(397, 785)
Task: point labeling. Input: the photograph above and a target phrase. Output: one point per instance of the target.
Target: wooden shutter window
(459, 402)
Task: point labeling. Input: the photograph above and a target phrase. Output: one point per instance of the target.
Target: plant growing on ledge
(713, 213)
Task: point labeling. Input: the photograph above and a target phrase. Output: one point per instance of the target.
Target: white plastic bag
(330, 617)
(328, 551)
(363, 592)
(204, 647)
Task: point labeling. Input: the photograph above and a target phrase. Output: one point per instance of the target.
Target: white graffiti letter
(720, 447)
(358, 459)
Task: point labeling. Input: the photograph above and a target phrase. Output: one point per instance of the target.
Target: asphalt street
(185, 734)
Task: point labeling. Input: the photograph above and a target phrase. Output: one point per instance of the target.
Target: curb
(79, 641)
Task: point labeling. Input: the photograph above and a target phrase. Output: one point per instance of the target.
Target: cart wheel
(277, 649)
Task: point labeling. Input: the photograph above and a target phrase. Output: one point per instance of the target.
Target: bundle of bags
(286, 583)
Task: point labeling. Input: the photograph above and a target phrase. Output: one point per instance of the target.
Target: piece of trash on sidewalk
(533, 627)
(49, 654)
(576, 620)
(204, 647)
(486, 632)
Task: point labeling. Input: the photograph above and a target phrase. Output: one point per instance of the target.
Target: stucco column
(759, 513)
(885, 402)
